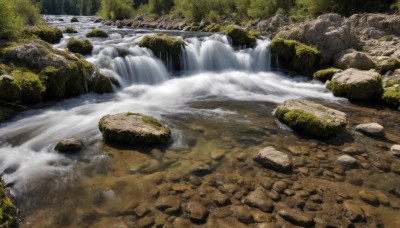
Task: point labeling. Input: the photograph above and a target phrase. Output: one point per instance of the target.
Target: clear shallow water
(222, 101)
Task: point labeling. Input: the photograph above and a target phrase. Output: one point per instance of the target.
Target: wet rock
(353, 211)
(180, 222)
(311, 117)
(347, 161)
(83, 47)
(267, 183)
(279, 186)
(383, 199)
(242, 214)
(219, 198)
(274, 196)
(133, 128)
(259, 200)
(260, 217)
(369, 197)
(197, 212)
(356, 84)
(352, 150)
(241, 157)
(371, 129)
(395, 150)
(316, 198)
(326, 74)
(169, 204)
(141, 210)
(194, 180)
(180, 187)
(271, 158)
(217, 155)
(297, 217)
(202, 170)
(69, 145)
(396, 167)
(146, 222)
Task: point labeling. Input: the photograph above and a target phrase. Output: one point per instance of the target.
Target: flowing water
(221, 103)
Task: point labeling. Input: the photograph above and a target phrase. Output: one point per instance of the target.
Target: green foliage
(97, 33)
(30, 13)
(83, 47)
(116, 9)
(295, 55)
(308, 122)
(396, 5)
(10, 22)
(160, 7)
(69, 7)
(49, 34)
(8, 211)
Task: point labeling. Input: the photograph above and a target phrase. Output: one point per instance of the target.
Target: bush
(30, 13)
(97, 33)
(10, 22)
(116, 9)
(83, 47)
(49, 34)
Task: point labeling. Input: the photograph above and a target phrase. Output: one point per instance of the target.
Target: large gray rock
(353, 59)
(311, 117)
(356, 84)
(389, 24)
(273, 159)
(371, 129)
(133, 128)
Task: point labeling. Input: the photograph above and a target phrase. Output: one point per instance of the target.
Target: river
(221, 103)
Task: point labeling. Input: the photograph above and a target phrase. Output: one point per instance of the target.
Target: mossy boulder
(8, 211)
(10, 91)
(326, 74)
(31, 86)
(296, 56)
(167, 48)
(239, 36)
(353, 59)
(69, 29)
(311, 118)
(391, 96)
(103, 85)
(356, 84)
(385, 63)
(49, 34)
(83, 47)
(97, 33)
(134, 129)
(74, 20)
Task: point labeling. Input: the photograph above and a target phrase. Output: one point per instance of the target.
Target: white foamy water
(213, 70)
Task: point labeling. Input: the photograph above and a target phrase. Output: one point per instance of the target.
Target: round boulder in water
(311, 117)
(69, 145)
(134, 129)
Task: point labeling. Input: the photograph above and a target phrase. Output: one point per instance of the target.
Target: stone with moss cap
(49, 34)
(311, 118)
(83, 47)
(8, 212)
(296, 56)
(326, 74)
(239, 36)
(69, 29)
(356, 84)
(97, 33)
(134, 129)
(391, 96)
(167, 48)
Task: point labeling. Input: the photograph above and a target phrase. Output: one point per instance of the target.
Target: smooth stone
(146, 222)
(297, 217)
(169, 204)
(217, 154)
(142, 210)
(353, 211)
(219, 198)
(202, 170)
(383, 199)
(369, 197)
(242, 214)
(266, 183)
(371, 129)
(259, 200)
(197, 212)
(279, 186)
(352, 150)
(271, 158)
(261, 217)
(347, 161)
(395, 150)
(180, 187)
(69, 145)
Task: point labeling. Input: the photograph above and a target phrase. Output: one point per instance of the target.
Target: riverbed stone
(369, 197)
(371, 129)
(259, 200)
(197, 212)
(356, 84)
(311, 117)
(279, 186)
(242, 213)
(133, 128)
(69, 145)
(169, 204)
(271, 158)
(395, 150)
(353, 211)
(297, 217)
(347, 161)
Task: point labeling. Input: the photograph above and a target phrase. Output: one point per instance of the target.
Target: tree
(10, 23)
(116, 9)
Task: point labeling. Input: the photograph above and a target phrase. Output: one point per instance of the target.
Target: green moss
(308, 122)
(386, 65)
(69, 29)
(46, 33)
(151, 121)
(74, 20)
(391, 96)
(239, 36)
(295, 55)
(167, 48)
(55, 83)
(358, 91)
(10, 91)
(83, 47)
(8, 211)
(97, 33)
(31, 86)
(326, 74)
(103, 85)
